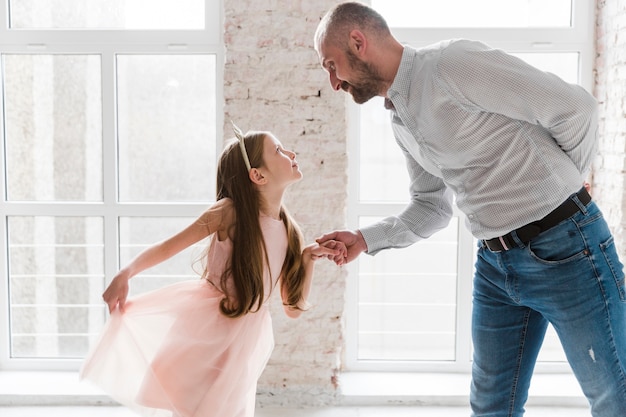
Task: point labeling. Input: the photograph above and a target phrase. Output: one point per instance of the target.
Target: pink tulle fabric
(172, 353)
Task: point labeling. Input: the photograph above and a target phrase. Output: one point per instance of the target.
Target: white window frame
(579, 38)
(107, 44)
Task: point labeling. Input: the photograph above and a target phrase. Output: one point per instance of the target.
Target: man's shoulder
(449, 48)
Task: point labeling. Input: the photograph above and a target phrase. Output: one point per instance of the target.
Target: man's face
(366, 82)
(349, 73)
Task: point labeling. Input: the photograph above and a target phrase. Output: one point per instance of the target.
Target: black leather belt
(529, 231)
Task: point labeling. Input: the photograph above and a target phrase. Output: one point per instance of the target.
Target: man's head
(346, 40)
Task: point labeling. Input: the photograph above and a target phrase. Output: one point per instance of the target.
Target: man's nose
(335, 82)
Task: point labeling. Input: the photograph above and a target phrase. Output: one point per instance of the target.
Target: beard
(367, 82)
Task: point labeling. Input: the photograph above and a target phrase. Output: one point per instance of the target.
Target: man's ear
(357, 42)
(257, 177)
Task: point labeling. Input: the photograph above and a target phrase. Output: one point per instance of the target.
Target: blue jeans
(571, 277)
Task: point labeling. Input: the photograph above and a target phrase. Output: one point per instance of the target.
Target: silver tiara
(239, 135)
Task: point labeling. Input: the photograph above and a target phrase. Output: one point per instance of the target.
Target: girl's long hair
(242, 280)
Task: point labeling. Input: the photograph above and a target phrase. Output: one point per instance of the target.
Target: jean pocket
(559, 245)
(614, 265)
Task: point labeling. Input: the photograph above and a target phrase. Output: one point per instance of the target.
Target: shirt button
(471, 216)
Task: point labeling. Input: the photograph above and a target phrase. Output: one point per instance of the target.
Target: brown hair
(244, 273)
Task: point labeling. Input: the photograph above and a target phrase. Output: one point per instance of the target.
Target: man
(513, 145)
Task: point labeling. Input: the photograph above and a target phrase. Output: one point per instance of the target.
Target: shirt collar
(402, 82)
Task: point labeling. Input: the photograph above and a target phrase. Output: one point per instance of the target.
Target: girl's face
(280, 166)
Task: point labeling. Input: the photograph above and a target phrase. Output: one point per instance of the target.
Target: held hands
(330, 249)
(117, 291)
(352, 241)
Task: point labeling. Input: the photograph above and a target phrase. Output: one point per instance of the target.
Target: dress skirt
(172, 353)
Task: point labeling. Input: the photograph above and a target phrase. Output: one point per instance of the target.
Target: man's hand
(330, 249)
(353, 240)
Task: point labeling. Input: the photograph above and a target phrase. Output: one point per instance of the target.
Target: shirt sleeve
(429, 211)
(497, 82)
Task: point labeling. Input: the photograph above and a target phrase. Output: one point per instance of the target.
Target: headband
(239, 135)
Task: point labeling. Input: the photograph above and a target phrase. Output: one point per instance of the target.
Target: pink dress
(172, 353)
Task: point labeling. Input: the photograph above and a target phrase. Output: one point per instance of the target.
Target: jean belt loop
(518, 242)
(576, 199)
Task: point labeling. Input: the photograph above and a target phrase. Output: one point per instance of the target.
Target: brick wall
(610, 90)
(273, 81)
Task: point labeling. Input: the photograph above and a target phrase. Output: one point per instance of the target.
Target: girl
(197, 348)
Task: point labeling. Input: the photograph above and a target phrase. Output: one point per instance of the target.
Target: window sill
(48, 388)
(449, 389)
(357, 389)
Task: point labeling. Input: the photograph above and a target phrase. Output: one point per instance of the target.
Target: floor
(368, 411)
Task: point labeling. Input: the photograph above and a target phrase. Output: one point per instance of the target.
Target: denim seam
(616, 279)
(608, 324)
(612, 340)
(518, 365)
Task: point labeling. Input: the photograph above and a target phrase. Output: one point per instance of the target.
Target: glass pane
(137, 233)
(53, 119)
(475, 13)
(407, 300)
(551, 350)
(166, 127)
(107, 14)
(56, 273)
(383, 175)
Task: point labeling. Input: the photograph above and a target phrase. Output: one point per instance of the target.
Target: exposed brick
(610, 89)
(273, 81)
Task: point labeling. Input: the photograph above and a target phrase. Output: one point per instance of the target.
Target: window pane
(56, 269)
(407, 300)
(551, 350)
(383, 176)
(137, 233)
(475, 13)
(107, 14)
(166, 127)
(53, 127)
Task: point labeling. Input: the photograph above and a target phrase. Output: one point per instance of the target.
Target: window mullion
(353, 213)
(4, 276)
(4, 291)
(109, 156)
(465, 267)
(94, 37)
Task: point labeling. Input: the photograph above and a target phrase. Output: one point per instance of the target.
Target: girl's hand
(117, 291)
(351, 240)
(330, 249)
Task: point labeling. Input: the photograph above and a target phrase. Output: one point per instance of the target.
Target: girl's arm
(215, 219)
(329, 249)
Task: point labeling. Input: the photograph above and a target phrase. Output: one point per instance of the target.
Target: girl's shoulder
(224, 205)
(220, 217)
